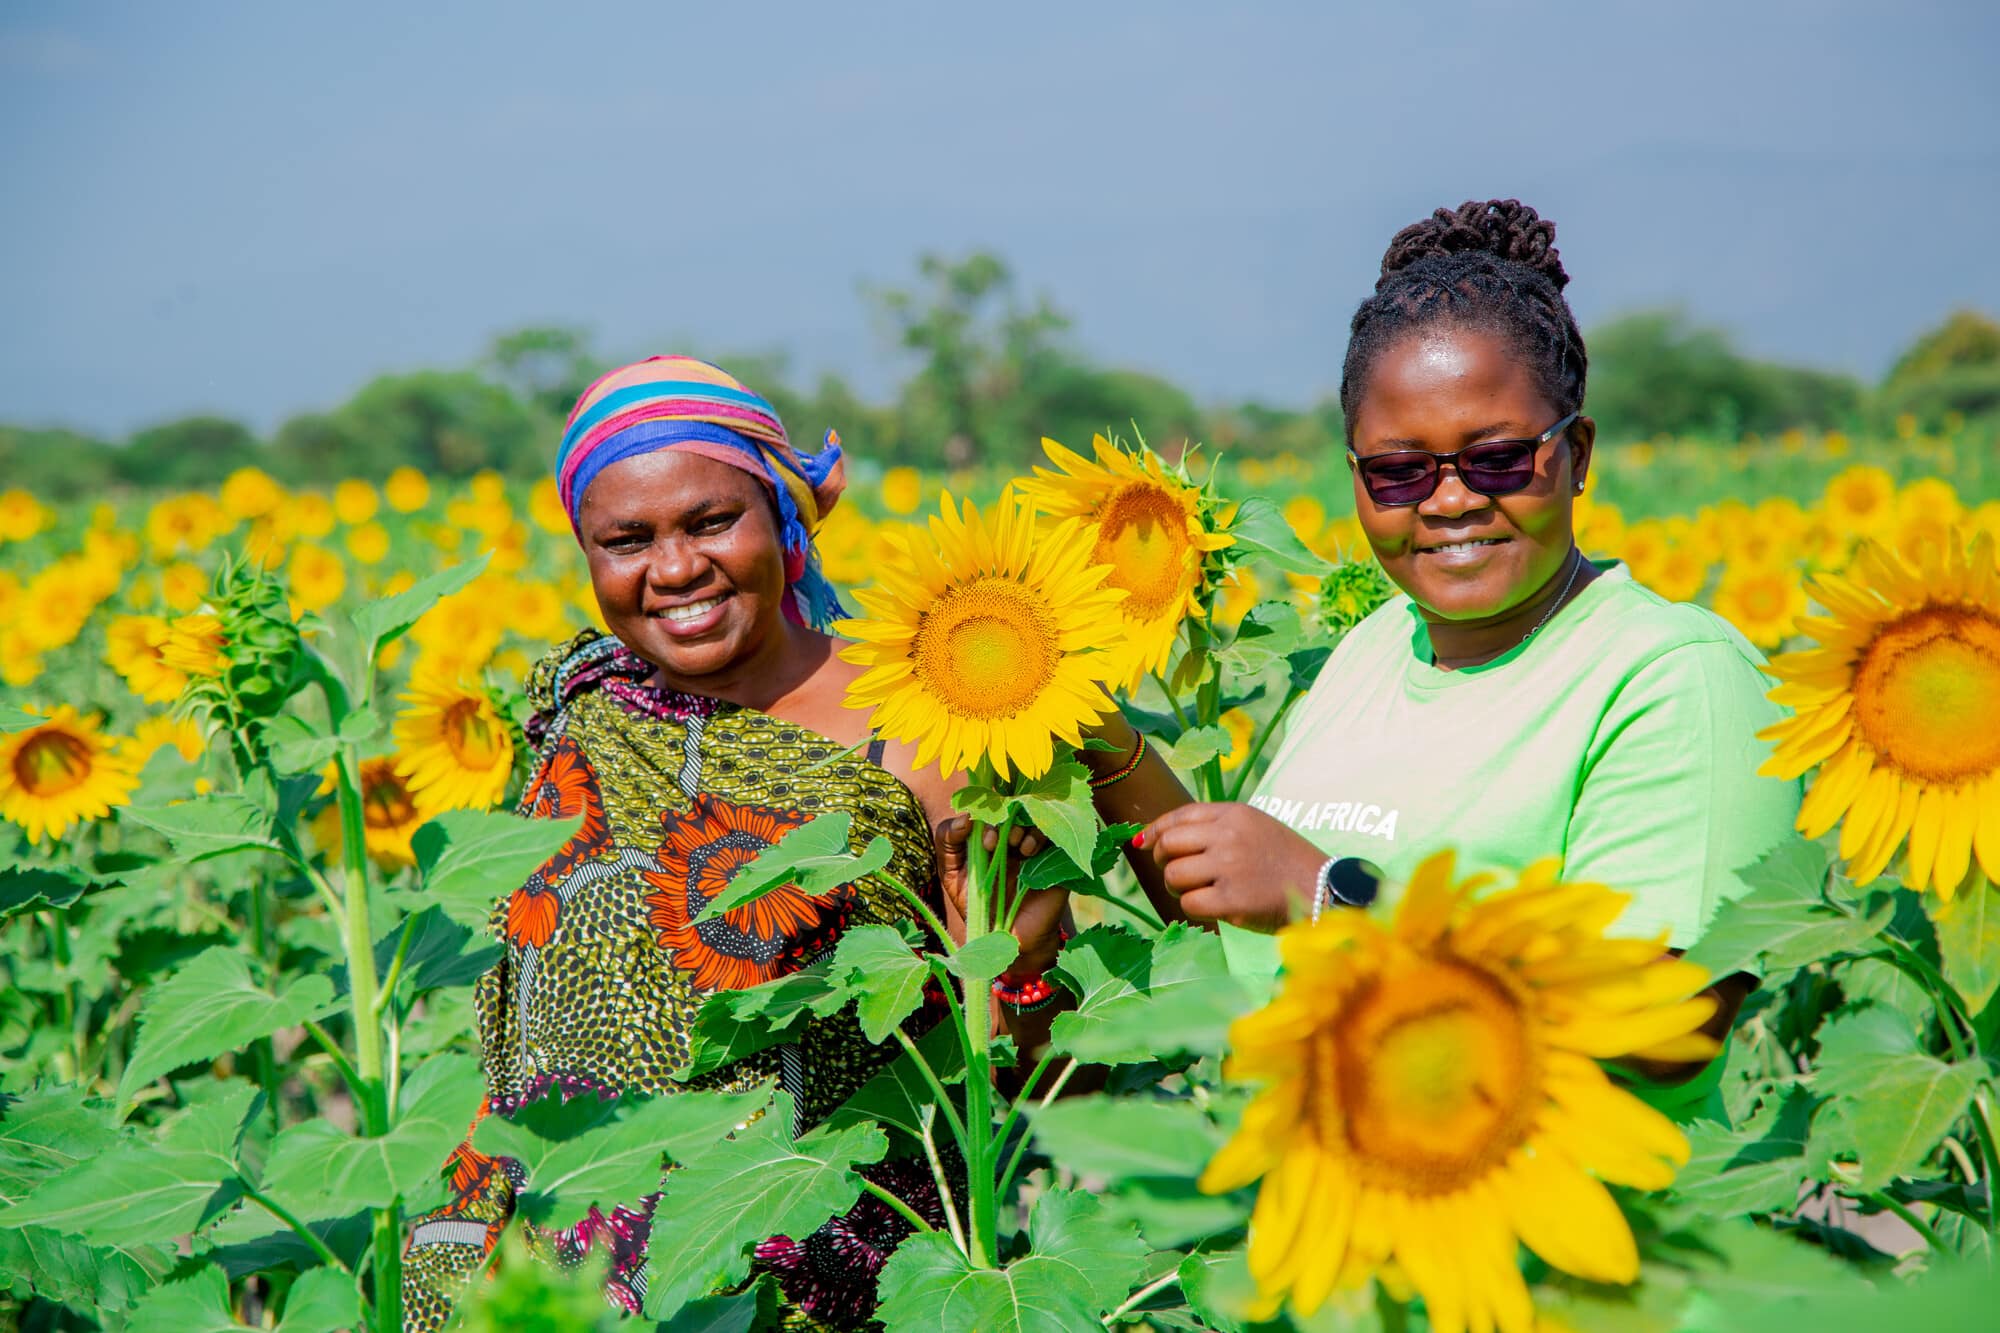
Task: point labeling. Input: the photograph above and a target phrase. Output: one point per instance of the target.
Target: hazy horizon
(252, 211)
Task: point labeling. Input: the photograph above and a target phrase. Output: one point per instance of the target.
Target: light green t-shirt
(1621, 738)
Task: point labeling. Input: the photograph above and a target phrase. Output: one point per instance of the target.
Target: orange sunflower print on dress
(562, 788)
(705, 846)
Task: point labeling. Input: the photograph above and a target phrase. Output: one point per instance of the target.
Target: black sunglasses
(1491, 467)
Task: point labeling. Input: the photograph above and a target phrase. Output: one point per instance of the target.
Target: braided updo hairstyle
(1488, 265)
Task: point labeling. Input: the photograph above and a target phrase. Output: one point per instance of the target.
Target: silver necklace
(1575, 568)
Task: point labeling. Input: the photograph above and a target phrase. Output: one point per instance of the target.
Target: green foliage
(211, 1006)
(464, 853)
(1654, 373)
(759, 1183)
(1967, 340)
(1077, 1264)
(589, 1152)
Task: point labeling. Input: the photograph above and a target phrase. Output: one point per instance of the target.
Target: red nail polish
(1139, 838)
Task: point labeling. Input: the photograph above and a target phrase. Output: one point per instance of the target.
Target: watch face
(1353, 881)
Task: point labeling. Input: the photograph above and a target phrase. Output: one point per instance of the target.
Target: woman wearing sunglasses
(1518, 701)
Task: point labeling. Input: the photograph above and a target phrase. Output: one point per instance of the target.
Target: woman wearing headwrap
(702, 728)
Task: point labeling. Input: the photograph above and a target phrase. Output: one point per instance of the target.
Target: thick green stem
(982, 1204)
(387, 1235)
(388, 1260)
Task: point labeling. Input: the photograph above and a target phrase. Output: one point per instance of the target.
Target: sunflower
(250, 492)
(389, 814)
(1242, 729)
(1432, 1095)
(902, 490)
(407, 490)
(195, 646)
(988, 640)
(355, 502)
(133, 646)
(183, 586)
(155, 734)
(317, 577)
(458, 752)
(1149, 527)
(545, 507)
(22, 515)
(1764, 601)
(60, 773)
(1861, 501)
(1899, 706)
(368, 542)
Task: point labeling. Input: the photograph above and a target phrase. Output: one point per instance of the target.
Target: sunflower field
(261, 750)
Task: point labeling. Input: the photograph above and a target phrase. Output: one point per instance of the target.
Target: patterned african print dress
(606, 966)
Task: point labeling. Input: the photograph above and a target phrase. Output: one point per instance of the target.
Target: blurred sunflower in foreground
(1432, 1095)
(457, 751)
(987, 641)
(60, 773)
(1153, 528)
(1899, 707)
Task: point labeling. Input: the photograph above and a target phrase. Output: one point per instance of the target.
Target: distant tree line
(993, 372)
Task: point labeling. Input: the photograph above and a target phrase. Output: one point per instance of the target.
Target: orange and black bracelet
(1125, 770)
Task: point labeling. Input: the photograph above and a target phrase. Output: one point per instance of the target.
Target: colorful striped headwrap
(677, 402)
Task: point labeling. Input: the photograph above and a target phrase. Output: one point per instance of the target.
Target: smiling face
(686, 562)
(1463, 556)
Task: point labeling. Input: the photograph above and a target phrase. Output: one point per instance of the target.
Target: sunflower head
(1152, 527)
(457, 747)
(1898, 706)
(61, 773)
(989, 641)
(134, 646)
(1432, 1095)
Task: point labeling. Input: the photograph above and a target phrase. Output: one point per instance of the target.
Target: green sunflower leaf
(211, 1006)
(198, 1303)
(985, 958)
(318, 1170)
(1786, 921)
(30, 888)
(1079, 1265)
(1259, 525)
(385, 619)
(760, 1183)
(321, 1301)
(209, 825)
(814, 858)
(1058, 803)
(1889, 1104)
(586, 1151)
(877, 966)
(1140, 999)
(142, 1191)
(471, 859)
(1968, 936)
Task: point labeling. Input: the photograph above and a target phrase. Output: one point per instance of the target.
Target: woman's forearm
(1140, 797)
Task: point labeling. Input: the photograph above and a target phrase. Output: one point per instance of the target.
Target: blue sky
(252, 208)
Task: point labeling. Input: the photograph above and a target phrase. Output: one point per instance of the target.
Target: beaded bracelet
(1036, 992)
(1125, 770)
